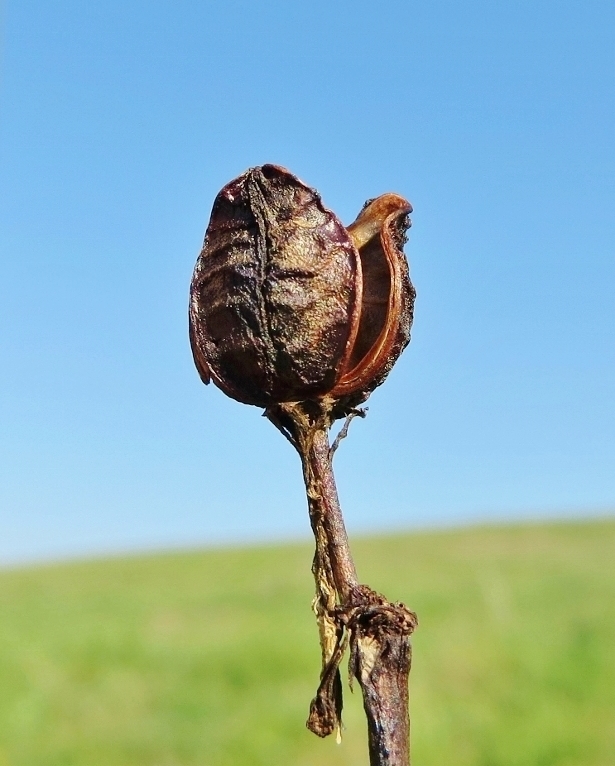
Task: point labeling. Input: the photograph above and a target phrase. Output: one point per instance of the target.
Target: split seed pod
(286, 304)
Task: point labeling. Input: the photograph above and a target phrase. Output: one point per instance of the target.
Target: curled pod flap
(379, 234)
(276, 291)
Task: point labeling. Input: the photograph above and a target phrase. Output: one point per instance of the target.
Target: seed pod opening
(379, 234)
(286, 304)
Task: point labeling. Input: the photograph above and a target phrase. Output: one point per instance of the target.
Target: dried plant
(293, 312)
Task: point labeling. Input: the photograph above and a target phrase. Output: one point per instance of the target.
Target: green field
(212, 657)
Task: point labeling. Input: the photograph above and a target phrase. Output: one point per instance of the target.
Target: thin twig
(360, 412)
(277, 418)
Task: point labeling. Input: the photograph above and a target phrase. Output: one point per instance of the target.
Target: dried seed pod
(287, 305)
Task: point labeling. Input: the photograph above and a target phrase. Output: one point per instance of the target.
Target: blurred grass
(211, 658)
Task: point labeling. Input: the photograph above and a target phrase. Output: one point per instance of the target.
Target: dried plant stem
(346, 611)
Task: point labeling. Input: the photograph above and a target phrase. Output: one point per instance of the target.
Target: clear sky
(119, 123)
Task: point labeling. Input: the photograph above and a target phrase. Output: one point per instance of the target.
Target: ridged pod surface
(286, 304)
(273, 297)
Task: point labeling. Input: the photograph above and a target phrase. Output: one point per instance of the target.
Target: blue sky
(119, 122)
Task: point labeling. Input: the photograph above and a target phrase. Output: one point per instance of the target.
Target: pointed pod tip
(373, 215)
